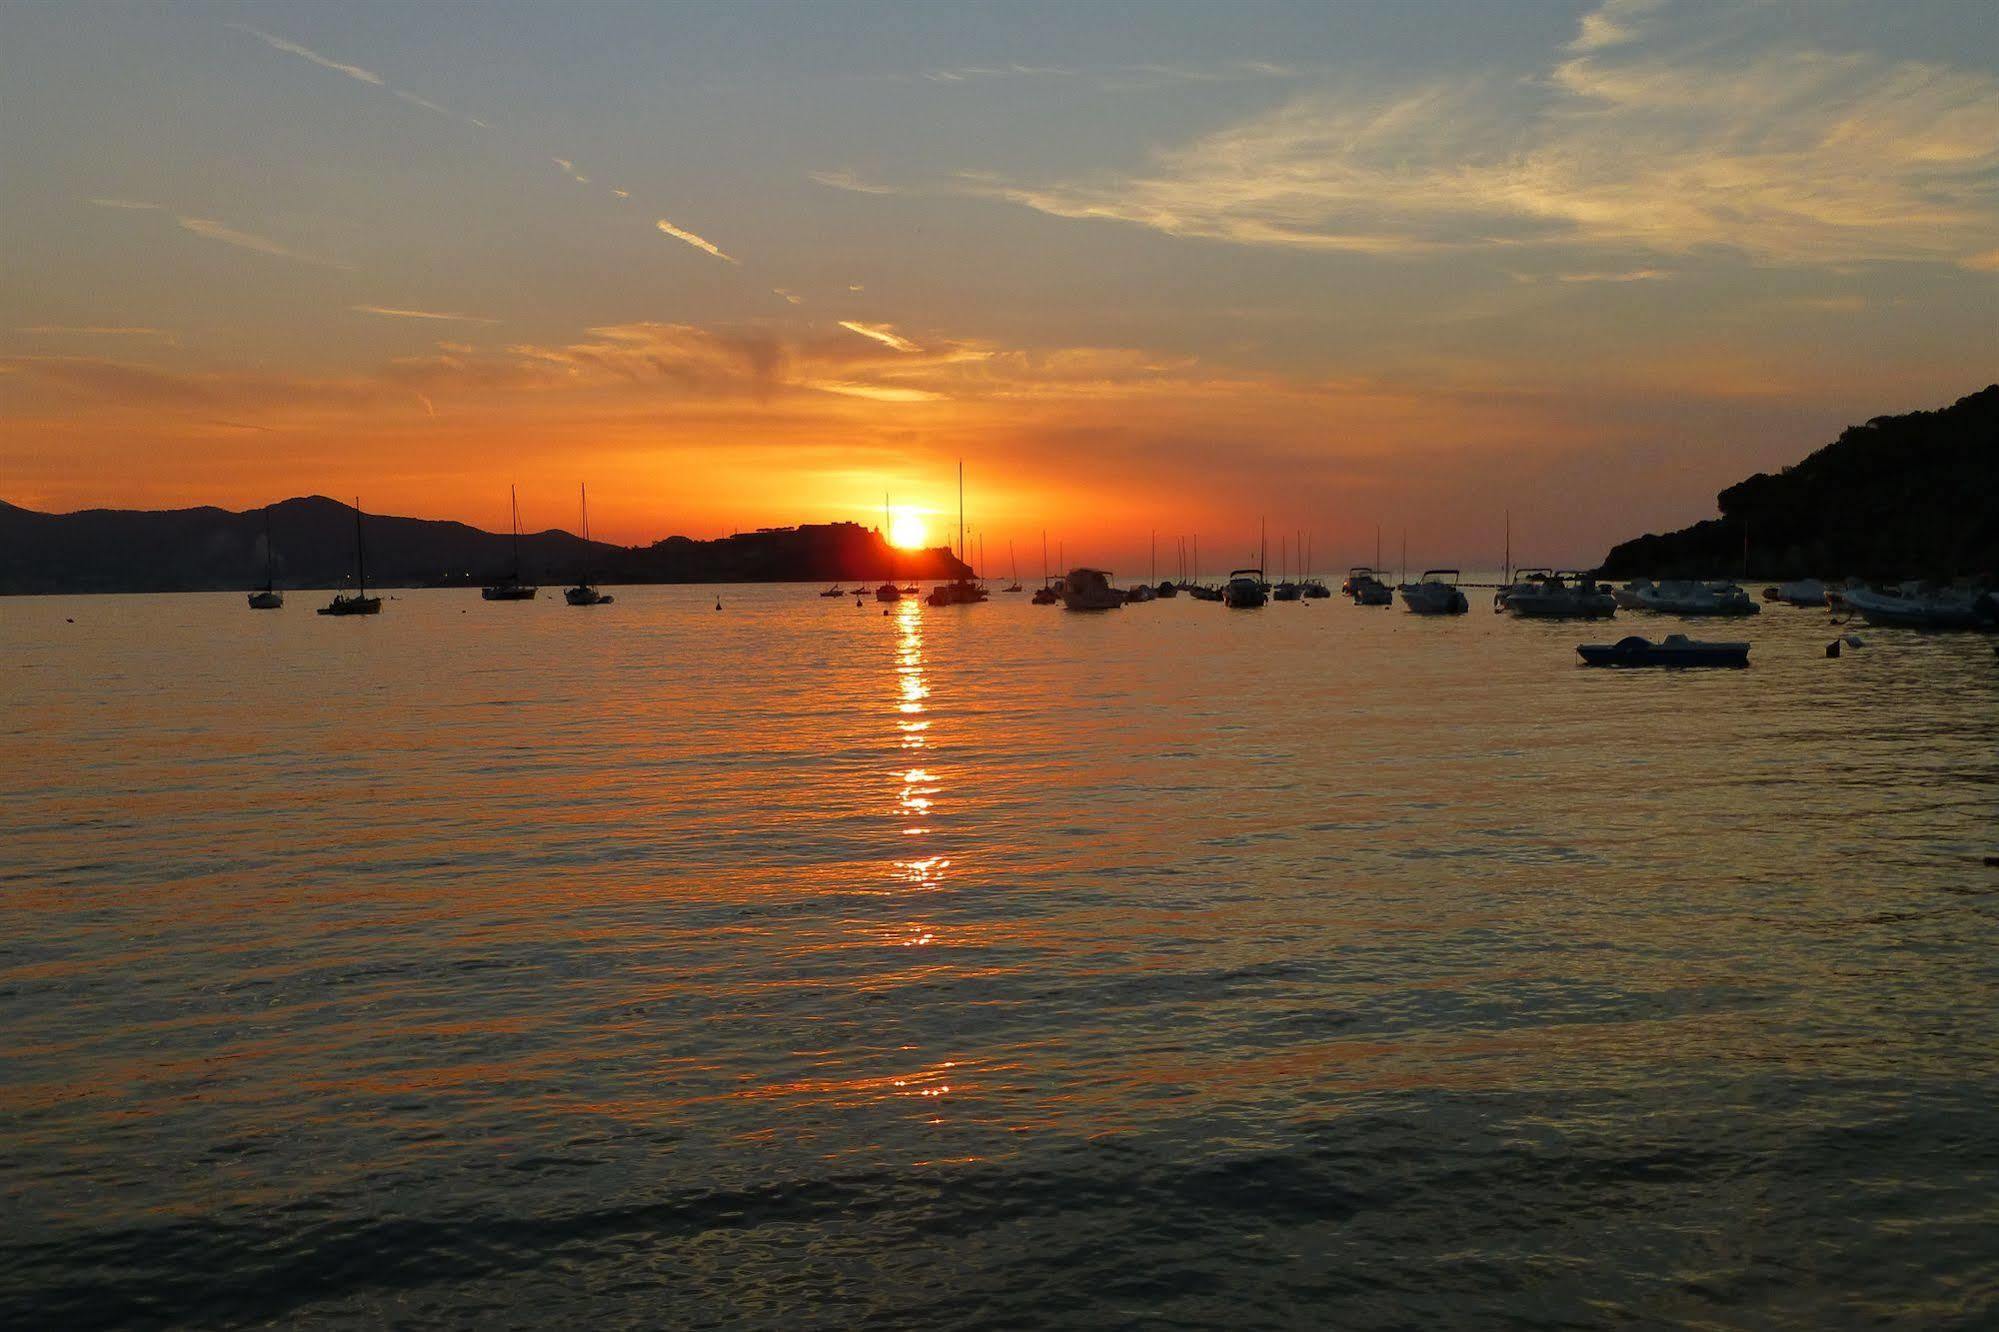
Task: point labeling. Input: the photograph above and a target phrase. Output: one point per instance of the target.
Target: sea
(738, 957)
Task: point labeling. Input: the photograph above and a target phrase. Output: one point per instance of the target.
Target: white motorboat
(1089, 590)
(1565, 595)
(1435, 593)
(1686, 597)
(1916, 606)
(1630, 596)
(1800, 592)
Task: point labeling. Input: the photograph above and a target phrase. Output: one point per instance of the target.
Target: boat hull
(585, 596)
(510, 592)
(352, 606)
(267, 601)
(1674, 652)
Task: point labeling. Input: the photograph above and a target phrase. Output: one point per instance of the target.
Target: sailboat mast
(514, 501)
(1507, 575)
(360, 554)
(961, 509)
(1197, 557)
(267, 548)
(1044, 557)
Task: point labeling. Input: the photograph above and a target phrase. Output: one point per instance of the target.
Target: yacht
(1435, 593)
(584, 594)
(1315, 589)
(1565, 595)
(1143, 592)
(1244, 590)
(267, 597)
(1366, 587)
(1523, 580)
(1089, 590)
(512, 589)
(357, 602)
(888, 592)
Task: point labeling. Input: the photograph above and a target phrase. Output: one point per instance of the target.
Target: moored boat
(512, 588)
(1686, 597)
(1799, 592)
(1917, 606)
(1435, 593)
(585, 593)
(1673, 650)
(267, 597)
(1244, 590)
(1089, 590)
(357, 602)
(888, 592)
(1564, 595)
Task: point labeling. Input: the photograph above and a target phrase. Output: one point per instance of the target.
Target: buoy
(1832, 648)
(1855, 640)
(718, 603)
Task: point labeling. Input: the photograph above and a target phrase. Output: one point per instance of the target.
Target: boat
(1202, 592)
(267, 597)
(1673, 650)
(1167, 589)
(1798, 592)
(357, 602)
(1920, 606)
(1364, 584)
(960, 591)
(1288, 592)
(584, 594)
(1314, 589)
(1686, 597)
(1435, 593)
(834, 591)
(1244, 590)
(888, 592)
(1143, 592)
(513, 589)
(1014, 586)
(1085, 589)
(1565, 595)
(1631, 595)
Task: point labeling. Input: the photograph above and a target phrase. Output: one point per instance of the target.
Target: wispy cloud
(569, 170)
(102, 331)
(622, 194)
(1115, 77)
(1628, 275)
(444, 111)
(790, 297)
(210, 229)
(1665, 136)
(882, 333)
(393, 312)
(1611, 24)
(847, 180)
(682, 235)
(136, 205)
(307, 53)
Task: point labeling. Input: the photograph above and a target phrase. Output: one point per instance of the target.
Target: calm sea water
(799, 965)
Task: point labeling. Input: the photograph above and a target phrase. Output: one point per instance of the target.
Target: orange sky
(1585, 263)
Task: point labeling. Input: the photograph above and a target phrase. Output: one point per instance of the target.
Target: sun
(907, 531)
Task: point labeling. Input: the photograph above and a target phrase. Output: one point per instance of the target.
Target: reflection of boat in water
(267, 597)
(584, 594)
(1915, 606)
(1674, 650)
(357, 602)
(1435, 593)
(1089, 590)
(1558, 596)
(513, 589)
(1244, 590)
(1686, 597)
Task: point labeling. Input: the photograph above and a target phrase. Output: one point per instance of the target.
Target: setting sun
(907, 532)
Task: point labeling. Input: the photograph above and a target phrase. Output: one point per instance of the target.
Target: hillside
(1902, 496)
(312, 545)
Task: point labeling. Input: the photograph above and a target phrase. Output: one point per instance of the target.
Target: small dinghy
(1674, 650)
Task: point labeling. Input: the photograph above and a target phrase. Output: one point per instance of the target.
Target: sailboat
(268, 597)
(888, 592)
(583, 594)
(1045, 595)
(357, 602)
(513, 589)
(961, 591)
(1012, 560)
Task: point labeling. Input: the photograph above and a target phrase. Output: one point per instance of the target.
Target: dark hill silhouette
(1902, 496)
(312, 540)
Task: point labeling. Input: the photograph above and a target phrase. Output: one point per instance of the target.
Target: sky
(1144, 267)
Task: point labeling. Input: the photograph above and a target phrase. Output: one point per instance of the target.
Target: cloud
(1628, 275)
(393, 312)
(1987, 262)
(102, 331)
(622, 194)
(791, 298)
(133, 204)
(1711, 131)
(446, 112)
(210, 229)
(306, 53)
(691, 239)
(1115, 77)
(1612, 24)
(847, 180)
(882, 333)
